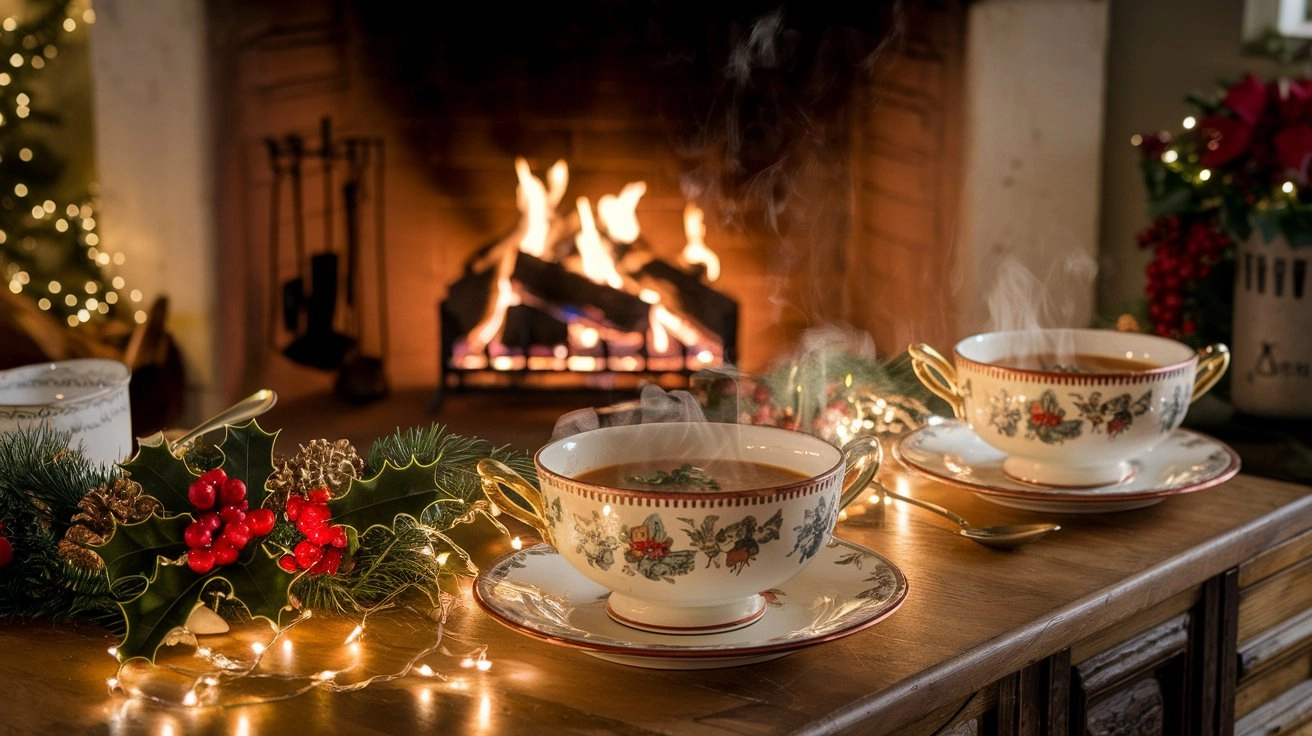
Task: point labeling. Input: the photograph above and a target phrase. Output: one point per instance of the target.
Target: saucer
(1184, 462)
(845, 589)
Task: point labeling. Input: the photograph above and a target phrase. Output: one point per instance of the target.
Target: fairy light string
(211, 677)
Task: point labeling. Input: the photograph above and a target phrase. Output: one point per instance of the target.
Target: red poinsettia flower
(1294, 148)
(1226, 139)
(1295, 101)
(1247, 99)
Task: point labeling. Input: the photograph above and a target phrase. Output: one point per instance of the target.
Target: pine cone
(321, 463)
(98, 511)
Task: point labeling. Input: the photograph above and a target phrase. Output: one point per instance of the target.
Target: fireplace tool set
(306, 305)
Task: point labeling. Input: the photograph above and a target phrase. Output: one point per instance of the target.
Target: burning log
(694, 300)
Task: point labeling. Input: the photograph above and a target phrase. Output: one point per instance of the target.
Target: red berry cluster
(321, 551)
(224, 526)
(1185, 252)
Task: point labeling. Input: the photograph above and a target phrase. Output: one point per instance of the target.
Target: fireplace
(824, 146)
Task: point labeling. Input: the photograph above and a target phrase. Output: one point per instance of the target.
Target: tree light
(1287, 187)
(1189, 122)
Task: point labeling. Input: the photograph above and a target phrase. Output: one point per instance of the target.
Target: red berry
(314, 515)
(322, 494)
(321, 535)
(294, 506)
(6, 552)
(339, 536)
(197, 535)
(201, 494)
(214, 477)
(328, 564)
(232, 514)
(211, 520)
(233, 491)
(236, 533)
(287, 562)
(200, 561)
(307, 553)
(225, 553)
(260, 522)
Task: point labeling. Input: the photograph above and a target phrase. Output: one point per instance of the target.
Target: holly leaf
(248, 455)
(390, 493)
(162, 475)
(175, 591)
(132, 549)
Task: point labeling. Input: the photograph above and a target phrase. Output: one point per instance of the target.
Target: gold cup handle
(1213, 361)
(862, 457)
(493, 474)
(938, 375)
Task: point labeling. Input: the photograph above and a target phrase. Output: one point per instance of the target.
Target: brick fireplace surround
(887, 205)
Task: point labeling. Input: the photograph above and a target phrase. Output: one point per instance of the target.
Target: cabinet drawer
(1274, 600)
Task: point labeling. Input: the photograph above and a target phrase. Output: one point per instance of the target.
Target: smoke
(769, 152)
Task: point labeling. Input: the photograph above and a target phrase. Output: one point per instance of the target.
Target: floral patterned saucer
(1184, 462)
(845, 589)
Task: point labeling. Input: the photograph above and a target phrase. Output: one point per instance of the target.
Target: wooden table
(1081, 626)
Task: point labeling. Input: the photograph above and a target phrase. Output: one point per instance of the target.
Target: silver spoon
(251, 406)
(1001, 536)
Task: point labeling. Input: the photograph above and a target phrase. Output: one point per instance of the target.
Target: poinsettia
(1240, 169)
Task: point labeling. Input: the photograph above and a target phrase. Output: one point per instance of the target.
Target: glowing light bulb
(1189, 122)
(1170, 157)
(424, 670)
(1287, 187)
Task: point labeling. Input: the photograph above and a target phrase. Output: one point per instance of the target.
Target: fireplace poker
(363, 377)
(293, 291)
(275, 226)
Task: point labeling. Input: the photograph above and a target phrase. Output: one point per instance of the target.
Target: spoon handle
(251, 406)
(883, 490)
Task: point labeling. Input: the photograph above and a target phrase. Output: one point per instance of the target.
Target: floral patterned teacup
(686, 559)
(1071, 407)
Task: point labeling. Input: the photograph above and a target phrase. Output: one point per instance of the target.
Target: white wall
(1032, 160)
(152, 128)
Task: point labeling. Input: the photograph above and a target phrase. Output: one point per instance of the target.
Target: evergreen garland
(44, 482)
(40, 486)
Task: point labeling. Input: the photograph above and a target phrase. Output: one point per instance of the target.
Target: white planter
(1271, 368)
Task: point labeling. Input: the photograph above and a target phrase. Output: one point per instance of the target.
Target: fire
(638, 313)
(695, 251)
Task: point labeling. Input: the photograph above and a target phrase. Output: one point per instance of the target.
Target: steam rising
(772, 152)
(1022, 302)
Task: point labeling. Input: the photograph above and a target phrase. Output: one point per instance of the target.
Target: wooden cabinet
(1232, 655)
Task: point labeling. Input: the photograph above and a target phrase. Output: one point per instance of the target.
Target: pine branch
(39, 491)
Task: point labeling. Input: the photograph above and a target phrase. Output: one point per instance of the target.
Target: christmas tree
(50, 252)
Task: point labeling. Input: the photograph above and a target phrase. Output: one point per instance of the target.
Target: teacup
(687, 523)
(1070, 407)
(85, 396)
